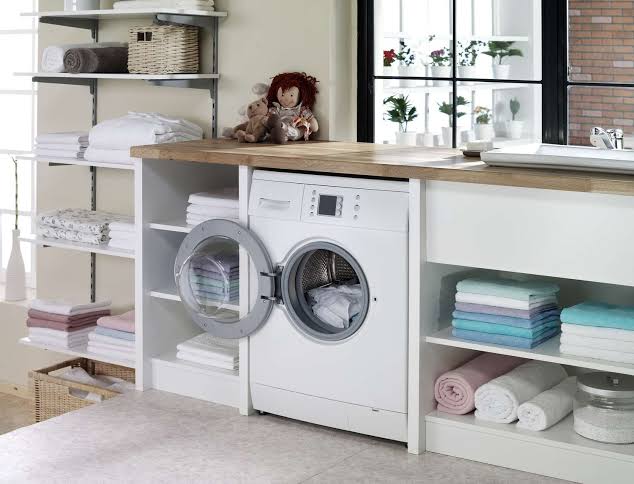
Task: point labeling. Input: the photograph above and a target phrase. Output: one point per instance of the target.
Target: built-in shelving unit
(102, 249)
(79, 352)
(71, 161)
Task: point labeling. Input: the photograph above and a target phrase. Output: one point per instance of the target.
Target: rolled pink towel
(121, 322)
(455, 389)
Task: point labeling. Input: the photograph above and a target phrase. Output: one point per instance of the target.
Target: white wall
(257, 40)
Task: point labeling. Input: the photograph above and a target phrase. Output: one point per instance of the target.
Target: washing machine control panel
(328, 205)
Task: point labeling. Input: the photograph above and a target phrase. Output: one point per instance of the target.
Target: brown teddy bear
(255, 129)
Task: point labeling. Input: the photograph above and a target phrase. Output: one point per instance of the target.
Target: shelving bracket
(91, 83)
(78, 23)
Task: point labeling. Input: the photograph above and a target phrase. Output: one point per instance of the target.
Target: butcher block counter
(386, 161)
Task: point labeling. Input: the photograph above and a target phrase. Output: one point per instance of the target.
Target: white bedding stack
(206, 350)
(221, 203)
(70, 145)
(122, 235)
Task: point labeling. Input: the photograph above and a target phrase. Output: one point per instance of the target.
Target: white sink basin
(562, 157)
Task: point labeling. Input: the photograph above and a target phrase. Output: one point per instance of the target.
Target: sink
(562, 157)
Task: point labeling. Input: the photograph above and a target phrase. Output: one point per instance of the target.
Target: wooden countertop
(386, 161)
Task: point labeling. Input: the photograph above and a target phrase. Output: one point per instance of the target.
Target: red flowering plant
(389, 57)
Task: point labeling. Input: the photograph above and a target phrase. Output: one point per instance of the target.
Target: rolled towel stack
(549, 407)
(62, 145)
(499, 400)
(110, 141)
(204, 349)
(102, 60)
(114, 337)
(598, 330)
(222, 203)
(78, 225)
(215, 282)
(53, 56)
(63, 324)
(507, 312)
(122, 235)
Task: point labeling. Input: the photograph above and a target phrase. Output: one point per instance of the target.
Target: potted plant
(447, 108)
(515, 128)
(406, 68)
(498, 50)
(440, 63)
(483, 127)
(467, 59)
(15, 286)
(401, 111)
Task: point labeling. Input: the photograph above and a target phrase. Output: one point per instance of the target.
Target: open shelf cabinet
(78, 351)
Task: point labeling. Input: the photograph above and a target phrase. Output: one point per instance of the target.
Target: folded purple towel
(513, 313)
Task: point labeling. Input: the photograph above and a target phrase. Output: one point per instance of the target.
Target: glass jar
(604, 407)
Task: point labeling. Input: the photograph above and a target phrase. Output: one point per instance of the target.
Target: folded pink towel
(121, 322)
(81, 318)
(455, 390)
(43, 323)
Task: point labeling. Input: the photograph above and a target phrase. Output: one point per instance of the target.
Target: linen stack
(70, 145)
(209, 205)
(78, 225)
(207, 5)
(63, 324)
(122, 235)
(215, 282)
(110, 141)
(206, 350)
(507, 312)
(598, 330)
(114, 337)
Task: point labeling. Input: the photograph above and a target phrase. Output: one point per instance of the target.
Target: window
(18, 44)
(575, 71)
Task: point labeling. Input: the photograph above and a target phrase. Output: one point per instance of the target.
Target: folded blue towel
(531, 333)
(502, 339)
(115, 333)
(537, 320)
(509, 288)
(600, 315)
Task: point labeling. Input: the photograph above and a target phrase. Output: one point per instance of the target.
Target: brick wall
(601, 49)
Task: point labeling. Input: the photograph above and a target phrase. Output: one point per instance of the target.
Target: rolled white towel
(549, 407)
(498, 400)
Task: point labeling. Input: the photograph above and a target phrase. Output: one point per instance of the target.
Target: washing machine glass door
(207, 273)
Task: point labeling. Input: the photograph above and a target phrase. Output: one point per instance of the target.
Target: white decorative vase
(441, 71)
(77, 5)
(515, 129)
(484, 132)
(447, 136)
(501, 71)
(407, 71)
(407, 138)
(467, 72)
(15, 286)
(425, 139)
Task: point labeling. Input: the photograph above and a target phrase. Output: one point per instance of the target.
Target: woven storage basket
(163, 49)
(52, 394)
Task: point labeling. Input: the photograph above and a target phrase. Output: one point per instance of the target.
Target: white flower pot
(484, 132)
(75, 5)
(467, 72)
(390, 71)
(407, 71)
(515, 129)
(441, 71)
(447, 136)
(407, 138)
(425, 139)
(15, 286)
(501, 71)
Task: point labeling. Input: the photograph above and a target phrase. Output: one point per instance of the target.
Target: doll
(291, 99)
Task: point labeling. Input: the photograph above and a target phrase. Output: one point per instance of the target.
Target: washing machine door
(207, 273)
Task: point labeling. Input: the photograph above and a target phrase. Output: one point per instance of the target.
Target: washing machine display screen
(327, 205)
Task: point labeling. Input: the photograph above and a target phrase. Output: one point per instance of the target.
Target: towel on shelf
(103, 155)
(221, 198)
(73, 320)
(209, 346)
(120, 322)
(43, 152)
(201, 360)
(115, 333)
(43, 323)
(53, 56)
(599, 315)
(506, 312)
(549, 407)
(508, 288)
(499, 399)
(67, 138)
(139, 4)
(81, 220)
(337, 305)
(109, 340)
(455, 390)
(71, 235)
(71, 147)
(127, 356)
(532, 333)
(61, 335)
(505, 302)
(596, 353)
(66, 308)
(598, 333)
(505, 340)
(598, 343)
(103, 60)
(538, 320)
(208, 211)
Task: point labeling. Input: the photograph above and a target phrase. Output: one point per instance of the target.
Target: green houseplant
(467, 56)
(483, 126)
(499, 50)
(515, 127)
(406, 58)
(448, 108)
(401, 111)
(15, 286)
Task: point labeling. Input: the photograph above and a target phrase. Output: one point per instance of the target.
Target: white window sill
(30, 295)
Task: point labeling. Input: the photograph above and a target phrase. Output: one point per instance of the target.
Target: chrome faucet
(607, 139)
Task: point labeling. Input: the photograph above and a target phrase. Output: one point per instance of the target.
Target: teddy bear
(255, 128)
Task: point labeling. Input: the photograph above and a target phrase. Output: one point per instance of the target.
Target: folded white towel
(61, 335)
(70, 154)
(596, 353)
(549, 407)
(207, 210)
(44, 340)
(123, 226)
(102, 155)
(224, 197)
(113, 347)
(504, 302)
(601, 333)
(140, 4)
(198, 219)
(53, 56)
(70, 138)
(109, 340)
(206, 346)
(196, 358)
(66, 308)
(498, 400)
(100, 350)
(62, 147)
(597, 343)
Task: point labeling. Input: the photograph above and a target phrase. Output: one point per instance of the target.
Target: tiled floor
(14, 413)
(163, 438)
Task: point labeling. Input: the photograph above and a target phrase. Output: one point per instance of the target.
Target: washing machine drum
(322, 286)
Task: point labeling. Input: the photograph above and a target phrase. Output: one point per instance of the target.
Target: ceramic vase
(407, 138)
(467, 72)
(441, 71)
(447, 136)
(484, 132)
(407, 71)
(15, 285)
(501, 71)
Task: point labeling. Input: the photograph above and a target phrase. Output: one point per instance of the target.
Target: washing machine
(327, 310)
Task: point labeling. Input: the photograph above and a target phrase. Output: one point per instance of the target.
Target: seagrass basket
(163, 49)
(52, 395)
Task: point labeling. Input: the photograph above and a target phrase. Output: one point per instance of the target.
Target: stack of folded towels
(122, 235)
(53, 56)
(222, 203)
(207, 5)
(114, 337)
(63, 324)
(217, 281)
(598, 330)
(78, 225)
(110, 141)
(206, 350)
(62, 145)
(521, 314)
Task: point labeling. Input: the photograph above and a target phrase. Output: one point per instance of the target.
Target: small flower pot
(467, 72)
(484, 132)
(447, 136)
(426, 139)
(441, 71)
(515, 129)
(407, 138)
(501, 71)
(407, 71)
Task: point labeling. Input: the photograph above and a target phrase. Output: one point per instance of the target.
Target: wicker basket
(163, 49)
(52, 394)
